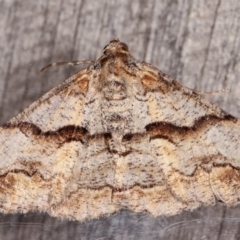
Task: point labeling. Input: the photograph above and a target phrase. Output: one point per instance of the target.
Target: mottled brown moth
(119, 134)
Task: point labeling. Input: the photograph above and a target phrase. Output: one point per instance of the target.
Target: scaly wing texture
(60, 107)
(193, 146)
(42, 152)
(119, 134)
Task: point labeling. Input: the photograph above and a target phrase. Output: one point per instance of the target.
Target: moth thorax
(114, 89)
(117, 116)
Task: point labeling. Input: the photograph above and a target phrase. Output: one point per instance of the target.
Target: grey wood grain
(196, 42)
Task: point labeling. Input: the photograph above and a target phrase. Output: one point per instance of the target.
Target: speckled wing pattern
(119, 134)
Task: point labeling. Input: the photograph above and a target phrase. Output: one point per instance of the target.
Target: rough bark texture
(196, 42)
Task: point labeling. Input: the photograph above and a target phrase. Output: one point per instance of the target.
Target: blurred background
(195, 42)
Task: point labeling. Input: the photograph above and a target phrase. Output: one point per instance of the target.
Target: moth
(119, 134)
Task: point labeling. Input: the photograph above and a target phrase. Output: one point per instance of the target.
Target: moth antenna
(66, 63)
(215, 92)
(200, 92)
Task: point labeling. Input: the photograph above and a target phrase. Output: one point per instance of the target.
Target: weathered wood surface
(196, 42)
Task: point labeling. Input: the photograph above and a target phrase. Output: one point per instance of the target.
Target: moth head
(115, 47)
